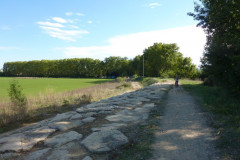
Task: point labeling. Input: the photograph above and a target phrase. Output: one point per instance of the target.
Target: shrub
(121, 79)
(18, 99)
(149, 81)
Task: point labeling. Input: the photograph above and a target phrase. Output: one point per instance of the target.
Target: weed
(84, 99)
(124, 85)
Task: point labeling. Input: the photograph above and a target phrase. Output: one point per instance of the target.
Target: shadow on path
(183, 133)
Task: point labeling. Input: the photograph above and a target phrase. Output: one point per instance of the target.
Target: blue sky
(57, 29)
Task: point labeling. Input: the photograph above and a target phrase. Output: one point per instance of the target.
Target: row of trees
(159, 60)
(221, 21)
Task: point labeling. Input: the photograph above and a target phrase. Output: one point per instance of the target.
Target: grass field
(36, 86)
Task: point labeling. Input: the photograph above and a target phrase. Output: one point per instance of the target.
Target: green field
(36, 86)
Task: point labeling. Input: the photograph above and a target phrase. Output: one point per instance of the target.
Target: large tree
(160, 58)
(221, 21)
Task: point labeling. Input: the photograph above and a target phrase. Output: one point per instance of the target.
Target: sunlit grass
(35, 86)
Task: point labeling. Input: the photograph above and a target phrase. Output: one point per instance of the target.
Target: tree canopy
(221, 21)
(165, 60)
(159, 60)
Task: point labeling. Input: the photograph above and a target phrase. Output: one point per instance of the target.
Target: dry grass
(43, 105)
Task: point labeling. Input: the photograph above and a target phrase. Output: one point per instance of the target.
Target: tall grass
(42, 105)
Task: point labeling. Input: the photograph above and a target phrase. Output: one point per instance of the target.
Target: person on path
(176, 80)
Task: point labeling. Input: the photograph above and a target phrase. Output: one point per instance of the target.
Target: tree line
(159, 60)
(221, 21)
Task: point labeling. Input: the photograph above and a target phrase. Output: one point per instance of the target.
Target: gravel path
(183, 132)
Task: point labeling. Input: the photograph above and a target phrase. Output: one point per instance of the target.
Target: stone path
(183, 133)
(86, 133)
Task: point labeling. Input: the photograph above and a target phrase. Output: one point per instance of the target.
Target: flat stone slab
(63, 116)
(104, 141)
(88, 120)
(76, 116)
(25, 141)
(97, 109)
(65, 125)
(8, 156)
(125, 116)
(37, 155)
(62, 139)
(87, 158)
(68, 151)
(110, 126)
(88, 114)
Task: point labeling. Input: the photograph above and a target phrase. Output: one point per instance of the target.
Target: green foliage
(121, 79)
(15, 93)
(116, 66)
(149, 81)
(135, 76)
(17, 98)
(1, 72)
(159, 60)
(221, 21)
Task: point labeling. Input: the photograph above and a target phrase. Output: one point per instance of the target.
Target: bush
(17, 98)
(121, 79)
(149, 81)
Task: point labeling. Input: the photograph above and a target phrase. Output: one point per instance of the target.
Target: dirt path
(183, 133)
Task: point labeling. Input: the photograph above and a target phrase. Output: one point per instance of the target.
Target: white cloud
(69, 13)
(154, 5)
(73, 26)
(69, 31)
(69, 35)
(190, 39)
(90, 22)
(50, 24)
(59, 20)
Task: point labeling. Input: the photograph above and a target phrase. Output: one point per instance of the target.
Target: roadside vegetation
(220, 70)
(223, 114)
(21, 109)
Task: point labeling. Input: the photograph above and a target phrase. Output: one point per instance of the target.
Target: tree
(160, 58)
(116, 66)
(221, 21)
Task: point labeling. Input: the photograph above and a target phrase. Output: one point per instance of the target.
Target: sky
(58, 29)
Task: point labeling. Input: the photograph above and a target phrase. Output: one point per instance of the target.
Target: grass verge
(139, 147)
(45, 106)
(224, 115)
